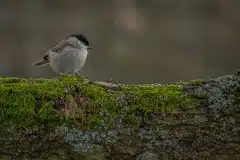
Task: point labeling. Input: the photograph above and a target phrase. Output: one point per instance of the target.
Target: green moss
(152, 99)
(160, 99)
(198, 82)
(19, 99)
(98, 95)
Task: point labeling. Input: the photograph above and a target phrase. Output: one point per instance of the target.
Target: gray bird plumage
(68, 56)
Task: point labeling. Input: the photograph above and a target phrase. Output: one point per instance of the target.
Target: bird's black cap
(81, 38)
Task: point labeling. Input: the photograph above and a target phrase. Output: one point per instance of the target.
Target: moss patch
(19, 98)
(147, 100)
(25, 102)
(159, 99)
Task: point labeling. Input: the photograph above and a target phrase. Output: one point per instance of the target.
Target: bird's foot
(62, 75)
(76, 74)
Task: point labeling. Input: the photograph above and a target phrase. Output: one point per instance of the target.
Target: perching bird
(69, 56)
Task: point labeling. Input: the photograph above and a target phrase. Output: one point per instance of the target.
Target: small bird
(69, 56)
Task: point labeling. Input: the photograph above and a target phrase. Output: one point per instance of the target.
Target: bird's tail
(41, 62)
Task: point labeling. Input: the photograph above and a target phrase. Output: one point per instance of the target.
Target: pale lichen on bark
(77, 118)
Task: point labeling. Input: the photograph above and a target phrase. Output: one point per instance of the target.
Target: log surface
(77, 118)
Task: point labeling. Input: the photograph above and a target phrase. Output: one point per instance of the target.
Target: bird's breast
(69, 60)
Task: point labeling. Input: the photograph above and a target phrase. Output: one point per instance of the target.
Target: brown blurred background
(134, 41)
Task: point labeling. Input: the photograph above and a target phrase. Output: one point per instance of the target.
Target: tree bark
(77, 118)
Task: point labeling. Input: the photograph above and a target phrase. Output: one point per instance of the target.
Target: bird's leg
(62, 74)
(59, 75)
(76, 73)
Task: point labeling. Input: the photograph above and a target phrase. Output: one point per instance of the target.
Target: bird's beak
(89, 47)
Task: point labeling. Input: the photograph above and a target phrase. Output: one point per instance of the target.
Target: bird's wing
(60, 46)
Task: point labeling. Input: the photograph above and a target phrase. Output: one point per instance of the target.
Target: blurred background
(134, 41)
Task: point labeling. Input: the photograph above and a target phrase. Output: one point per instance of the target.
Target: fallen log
(77, 118)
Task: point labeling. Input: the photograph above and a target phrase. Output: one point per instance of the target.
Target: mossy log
(77, 118)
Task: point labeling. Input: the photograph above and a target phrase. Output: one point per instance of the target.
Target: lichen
(147, 155)
(221, 95)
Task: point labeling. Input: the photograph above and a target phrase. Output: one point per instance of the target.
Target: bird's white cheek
(80, 44)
